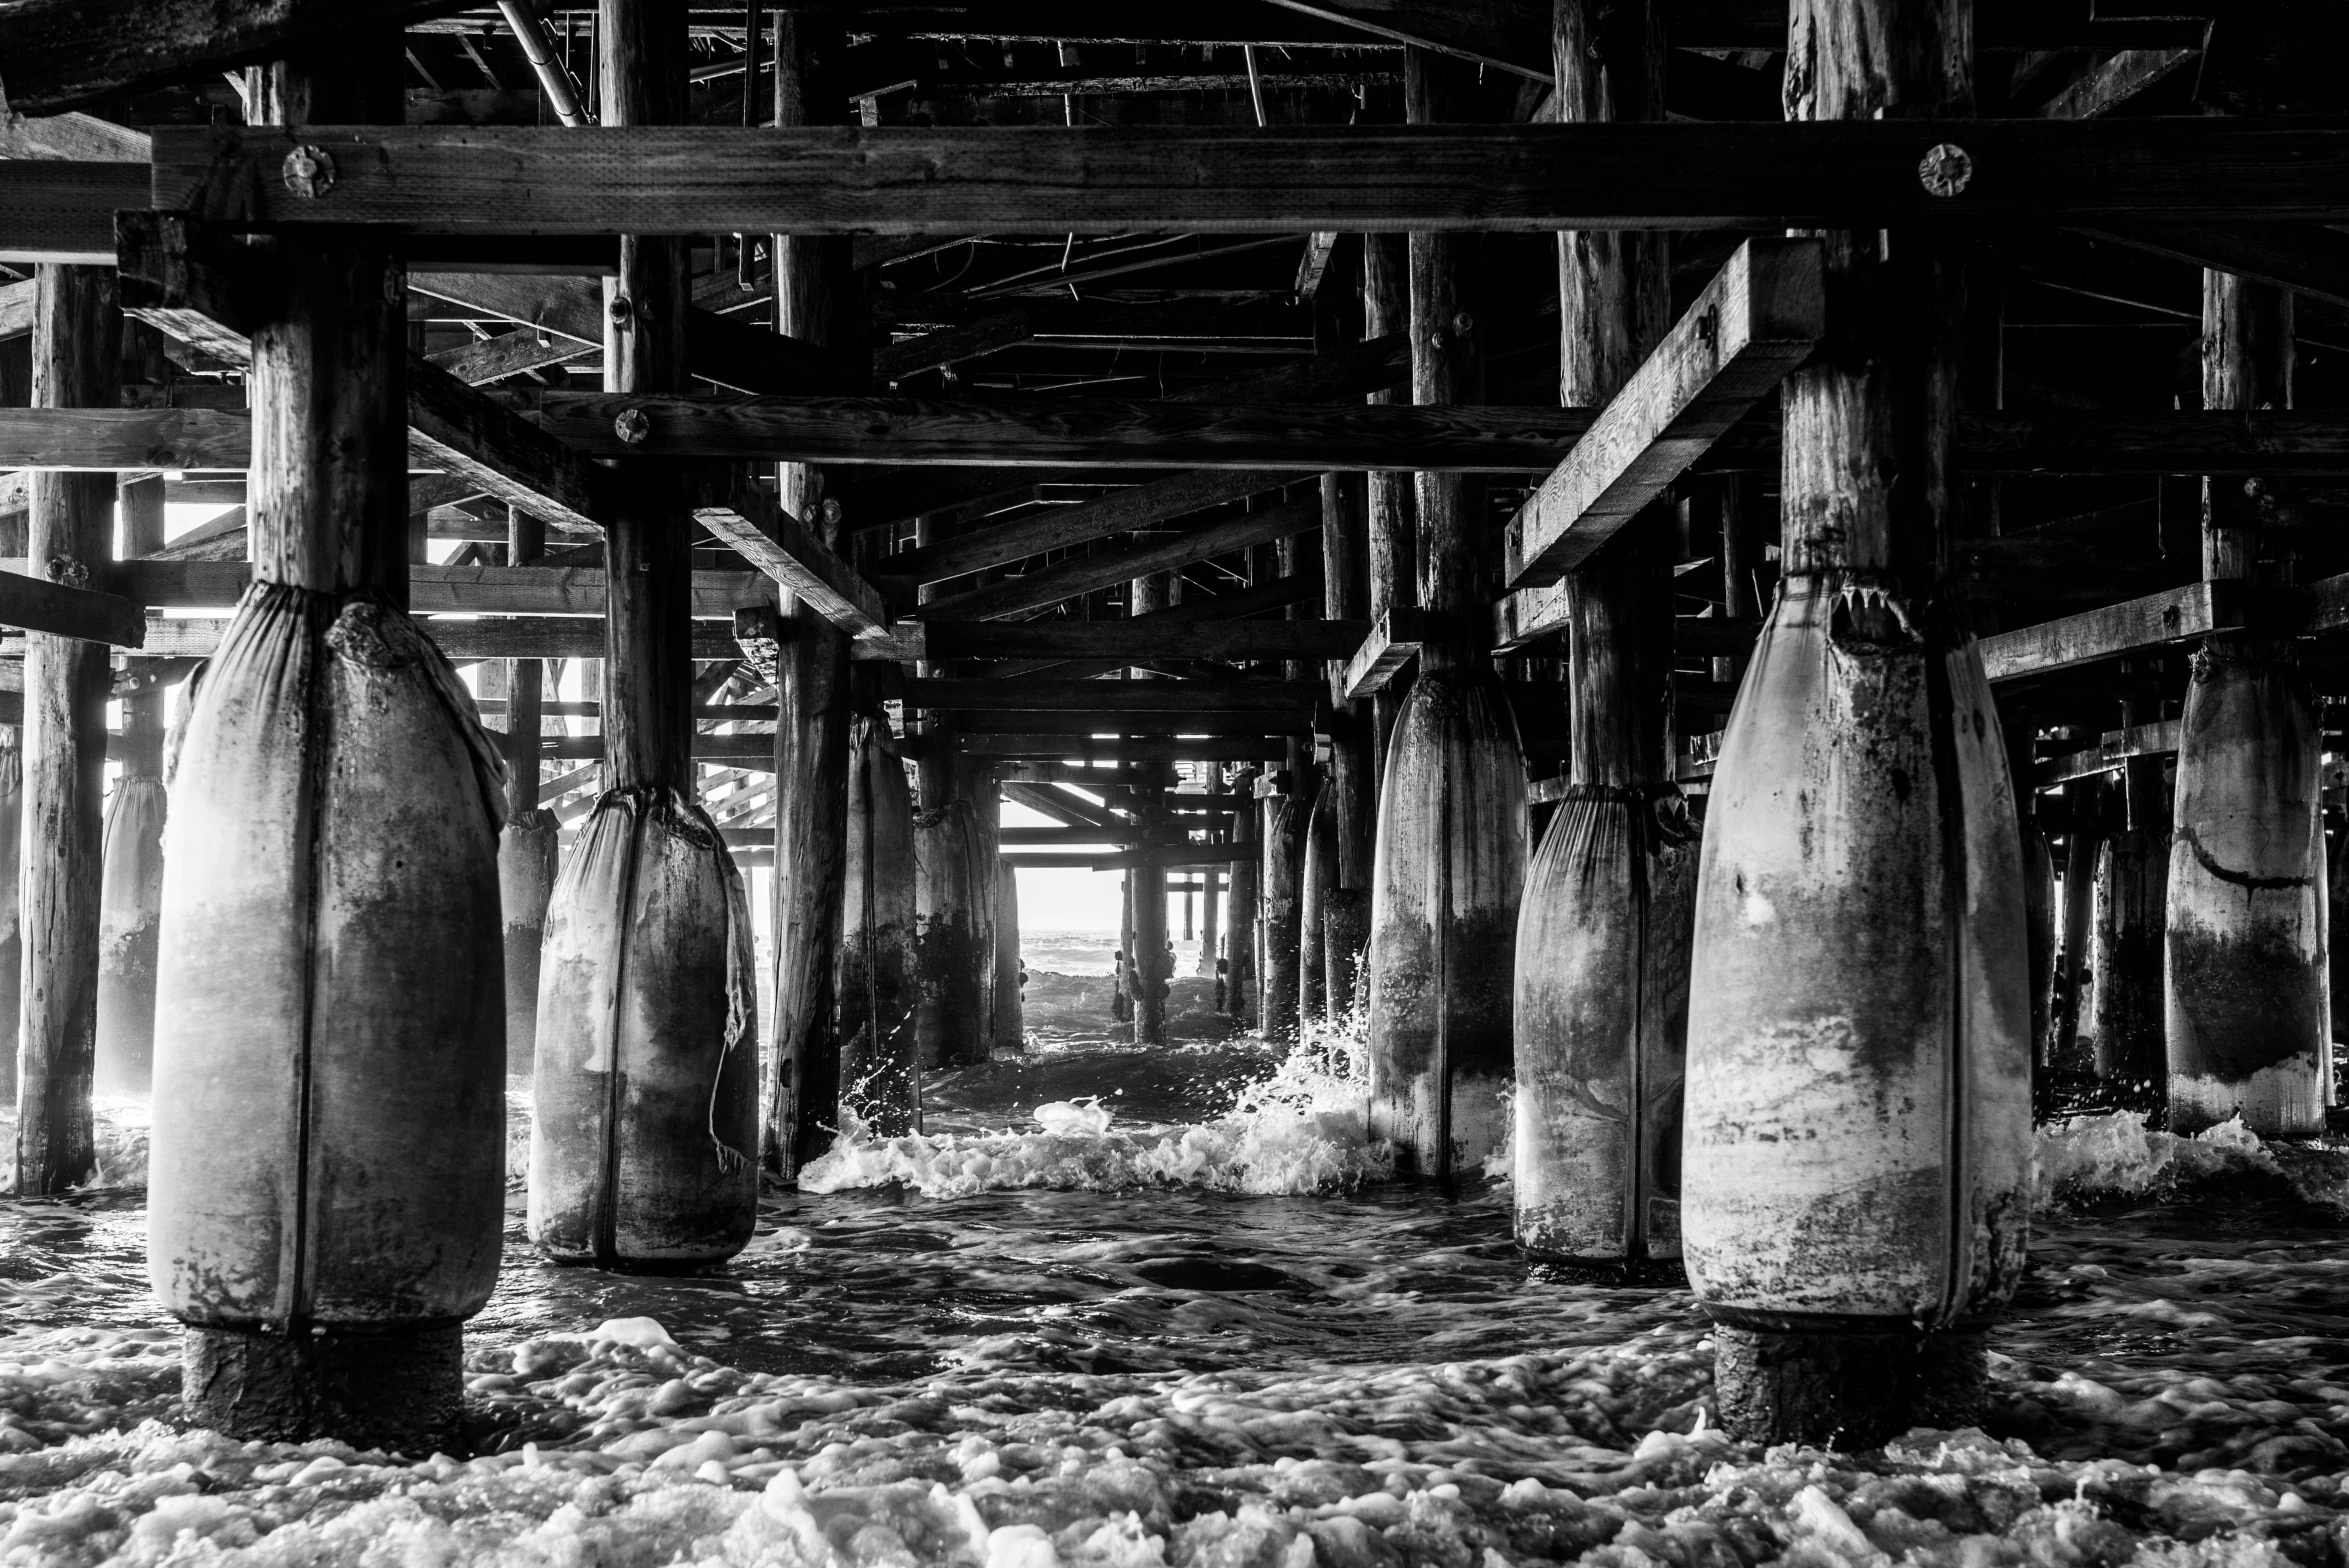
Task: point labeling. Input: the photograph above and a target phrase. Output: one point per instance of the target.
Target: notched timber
(1103, 568)
(1392, 644)
(37, 605)
(2111, 752)
(1114, 697)
(464, 433)
(2154, 621)
(1755, 322)
(784, 548)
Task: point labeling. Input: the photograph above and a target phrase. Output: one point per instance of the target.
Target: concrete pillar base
(401, 1389)
(1845, 1388)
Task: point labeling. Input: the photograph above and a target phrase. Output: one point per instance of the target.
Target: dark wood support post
(1153, 966)
(645, 1149)
(1452, 822)
(817, 298)
(1349, 793)
(1281, 864)
(2132, 1058)
(1864, 889)
(529, 850)
(325, 1193)
(1392, 509)
(953, 956)
(2246, 978)
(1602, 979)
(1241, 911)
(77, 341)
(2084, 802)
(131, 902)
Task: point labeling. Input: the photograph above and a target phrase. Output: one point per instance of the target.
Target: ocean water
(1125, 1307)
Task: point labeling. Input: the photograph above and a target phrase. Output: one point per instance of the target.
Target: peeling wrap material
(1858, 1135)
(530, 855)
(643, 1154)
(11, 906)
(2246, 988)
(1602, 1026)
(329, 1142)
(1445, 884)
(880, 1068)
(130, 912)
(1319, 874)
(1280, 919)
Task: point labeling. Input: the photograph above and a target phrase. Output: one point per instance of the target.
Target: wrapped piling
(529, 858)
(326, 1197)
(1449, 870)
(2246, 988)
(953, 951)
(643, 1154)
(1856, 1197)
(130, 909)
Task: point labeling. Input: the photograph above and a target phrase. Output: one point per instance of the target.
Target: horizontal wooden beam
(1062, 432)
(741, 751)
(1114, 698)
(63, 54)
(38, 605)
(475, 590)
(16, 308)
(1756, 321)
(2158, 739)
(64, 212)
(490, 637)
(1069, 837)
(1131, 749)
(463, 433)
(1394, 641)
(784, 548)
(1384, 179)
(2154, 621)
(1061, 528)
(2305, 259)
(1123, 640)
(123, 440)
(1103, 568)
(1110, 722)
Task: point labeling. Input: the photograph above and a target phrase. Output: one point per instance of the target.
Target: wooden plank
(1758, 319)
(72, 138)
(128, 440)
(1394, 641)
(64, 212)
(36, 605)
(1284, 180)
(1090, 838)
(488, 637)
(1063, 807)
(2306, 259)
(2114, 81)
(174, 277)
(1120, 511)
(1510, 34)
(1120, 641)
(63, 54)
(471, 590)
(1111, 722)
(952, 345)
(781, 546)
(1060, 432)
(2154, 621)
(2111, 752)
(1140, 748)
(466, 434)
(1114, 697)
(16, 309)
(1103, 568)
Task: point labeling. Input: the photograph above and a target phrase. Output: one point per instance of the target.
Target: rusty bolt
(621, 310)
(1463, 324)
(309, 171)
(633, 426)
(831, 511)
(1946, 170)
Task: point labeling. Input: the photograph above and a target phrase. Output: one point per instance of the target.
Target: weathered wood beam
(72, 138)
(1504, 33)
(1139, 748)
(37, 605)
(2114, 81)
(471, 590)
(1059, 432)
(1115, 697)
(16, 308)
(1077, 837)
(2110, 754)
(63, 54)
(1199, 720)
(463, 433)
(1120, 511)
(1757, 320)
(1122, 642)
(1524, 178)
(1103, 568)
(2305, 258)
(1063, 807)
(489, 637)
(784, 548)
(2156, 620)
(64, 212)
(1393, 642)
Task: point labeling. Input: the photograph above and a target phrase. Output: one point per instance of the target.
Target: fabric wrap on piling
(2246, 985)
(646, 1086)
(1320, 871)
(954, 950)
(1602, 1025)
(11, 907)
(130, 909)
(1011, 1026)
(329, 1143)
(1448, 874)
(529, 856)
(880, 1069)
(1858, 1122)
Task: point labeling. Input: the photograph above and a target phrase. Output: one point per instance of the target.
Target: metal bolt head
(633, 426)
(1463, 324)
(831, 510)
(309, 171)
(1945, 170)
(621, 310)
